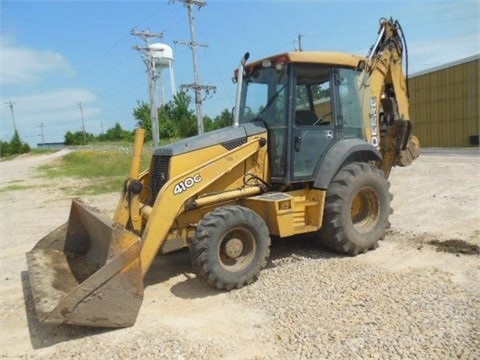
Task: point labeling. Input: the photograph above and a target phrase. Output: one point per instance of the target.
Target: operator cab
(307, 104)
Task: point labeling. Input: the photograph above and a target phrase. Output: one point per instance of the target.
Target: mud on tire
(357, 208)
(230, 247)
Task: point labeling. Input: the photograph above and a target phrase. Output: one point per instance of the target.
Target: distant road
(450, 151)
(21, 166)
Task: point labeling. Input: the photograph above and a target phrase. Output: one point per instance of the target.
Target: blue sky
(55, 54)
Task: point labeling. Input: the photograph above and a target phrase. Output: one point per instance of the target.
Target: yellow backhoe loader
(313, 140)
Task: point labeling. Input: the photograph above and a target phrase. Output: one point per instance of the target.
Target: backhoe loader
(313, 139)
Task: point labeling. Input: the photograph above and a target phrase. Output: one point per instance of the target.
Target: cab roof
(316, 57)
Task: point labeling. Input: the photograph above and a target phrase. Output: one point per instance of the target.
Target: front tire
(230, 247)
(357, 208)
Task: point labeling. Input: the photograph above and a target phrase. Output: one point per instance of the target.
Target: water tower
(163, 58)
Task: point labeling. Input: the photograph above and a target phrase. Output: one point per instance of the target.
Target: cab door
(313, 129)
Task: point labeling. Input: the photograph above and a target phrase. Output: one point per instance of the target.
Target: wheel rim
(237, 249)
(365, 210)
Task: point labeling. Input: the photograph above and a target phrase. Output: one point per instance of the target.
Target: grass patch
(16, 187)
(41, 151)
(105, 169)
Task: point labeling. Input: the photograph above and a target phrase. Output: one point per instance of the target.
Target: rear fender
(340, 153)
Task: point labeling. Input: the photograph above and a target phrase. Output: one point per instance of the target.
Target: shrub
(14, 147)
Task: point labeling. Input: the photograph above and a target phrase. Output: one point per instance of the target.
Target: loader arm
(127, 207)
(170, 203)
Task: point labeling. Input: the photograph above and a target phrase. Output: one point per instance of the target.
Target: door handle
(297, 141)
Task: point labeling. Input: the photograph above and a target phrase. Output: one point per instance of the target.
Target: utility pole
(83, 123)
(41, 127)
(196, 86)
(10, 105)
(152, 77)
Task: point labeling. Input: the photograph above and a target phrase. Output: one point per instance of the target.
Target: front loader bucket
(87, 272)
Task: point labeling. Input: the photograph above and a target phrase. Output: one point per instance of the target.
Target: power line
(192, 44)
(221, 78)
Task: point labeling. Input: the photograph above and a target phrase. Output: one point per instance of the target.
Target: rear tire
(357, 208)
(230, 247)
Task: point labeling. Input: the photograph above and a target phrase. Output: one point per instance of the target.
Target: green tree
(175, 118)
(77, 138)
(167, 126)
(116, 134)
(15, 146)
(4, 148)
(184, 119)
(208, 124)
(144, 120)
(220, 121)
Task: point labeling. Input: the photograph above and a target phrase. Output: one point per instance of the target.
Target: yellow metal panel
(276, 209)
(445, 105)
(290, 213)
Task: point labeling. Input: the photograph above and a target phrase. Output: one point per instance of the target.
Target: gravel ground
(405, 300)
(337, 307)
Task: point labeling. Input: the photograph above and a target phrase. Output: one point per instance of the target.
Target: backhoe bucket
(87, 272)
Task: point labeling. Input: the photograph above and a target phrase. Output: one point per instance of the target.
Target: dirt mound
(455, 246)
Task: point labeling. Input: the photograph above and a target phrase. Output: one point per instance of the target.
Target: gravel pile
(163, 343)
(327, 307)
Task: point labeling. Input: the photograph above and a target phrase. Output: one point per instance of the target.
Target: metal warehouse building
(444, 104)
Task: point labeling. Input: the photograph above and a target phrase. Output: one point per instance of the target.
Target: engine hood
(229, 137)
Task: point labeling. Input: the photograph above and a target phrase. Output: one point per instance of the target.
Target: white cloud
(21, 65)
(427, 54)
(58, 111)
(53, 101)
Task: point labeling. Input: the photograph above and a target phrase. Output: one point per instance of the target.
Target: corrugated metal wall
(444, 105)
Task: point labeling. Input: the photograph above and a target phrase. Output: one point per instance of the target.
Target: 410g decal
(186, 184)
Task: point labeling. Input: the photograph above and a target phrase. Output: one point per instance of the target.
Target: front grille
(158, 175)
